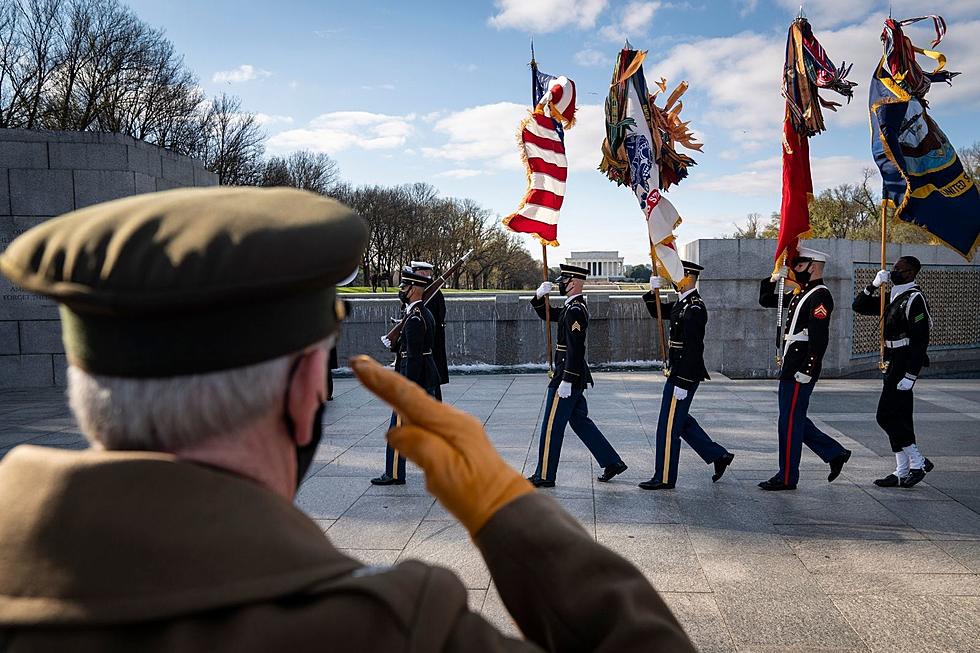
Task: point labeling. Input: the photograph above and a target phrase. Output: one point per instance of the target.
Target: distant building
(601, 265)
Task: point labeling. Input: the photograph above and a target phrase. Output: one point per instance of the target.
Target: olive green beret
(192, 280)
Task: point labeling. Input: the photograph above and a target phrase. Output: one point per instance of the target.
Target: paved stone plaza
(831, 567)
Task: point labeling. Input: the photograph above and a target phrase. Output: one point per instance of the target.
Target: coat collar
(98, 537)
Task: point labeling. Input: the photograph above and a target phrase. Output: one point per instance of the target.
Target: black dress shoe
(836, 465)
(927, 466)
(775, 485)
(889, 481)
(721, 465)
(915, 475)
(385, 479)
(654, 484)
(537, 482)
(611, 471)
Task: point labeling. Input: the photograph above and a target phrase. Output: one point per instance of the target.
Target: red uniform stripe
(544, 198)
(543, 143)
(546, 168)
(789, 431)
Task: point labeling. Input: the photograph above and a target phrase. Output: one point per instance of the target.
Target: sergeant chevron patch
(820, 312)
(576, 326)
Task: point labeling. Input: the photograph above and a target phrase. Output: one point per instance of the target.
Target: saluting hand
(545, 288)
(880, 278)
(654, 282)
(462, 469)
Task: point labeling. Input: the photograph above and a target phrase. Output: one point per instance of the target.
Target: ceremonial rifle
(428, 293)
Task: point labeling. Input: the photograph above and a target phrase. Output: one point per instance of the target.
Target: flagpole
(544, 248)
(881, 291)
(660, 320)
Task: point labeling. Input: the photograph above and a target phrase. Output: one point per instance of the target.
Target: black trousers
(895, 411)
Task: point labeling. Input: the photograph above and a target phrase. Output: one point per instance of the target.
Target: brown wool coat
(135, 551)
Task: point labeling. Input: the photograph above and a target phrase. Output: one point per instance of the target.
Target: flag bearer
(685, 371)
(907, 323)
(413, 361)
(565, 403)
(806, 335)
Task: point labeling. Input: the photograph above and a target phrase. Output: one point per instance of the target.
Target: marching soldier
(807, 333)
(414, 361)
(907, 323)
(437, 306)
(565, 403)
(685, 371)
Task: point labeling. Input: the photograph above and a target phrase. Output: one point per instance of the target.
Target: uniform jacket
(906, 318)
(437, 306)
(573, 323)
(415, 348)
(807, 318)
(685, 353)
(138, 551)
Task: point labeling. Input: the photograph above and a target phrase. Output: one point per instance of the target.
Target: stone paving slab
(844, 566)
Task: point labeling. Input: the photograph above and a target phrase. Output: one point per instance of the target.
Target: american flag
(542, 140)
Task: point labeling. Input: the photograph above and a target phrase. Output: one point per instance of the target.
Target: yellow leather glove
(462, 469)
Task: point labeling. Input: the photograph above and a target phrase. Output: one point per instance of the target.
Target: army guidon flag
(921, 174)
(639, 151)
(542, 145)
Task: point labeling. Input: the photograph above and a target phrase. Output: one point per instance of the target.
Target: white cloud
(546, 15)
(460, 173)
(748, 6)
(592, 58)
(487, 135)
(633, 21)
(342, 130)
(267, 119)
(764, 177)
(244, 73)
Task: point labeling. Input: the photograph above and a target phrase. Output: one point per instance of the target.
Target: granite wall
(45, 174)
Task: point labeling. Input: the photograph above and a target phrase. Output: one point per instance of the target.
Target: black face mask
(563, 286)
(899, 277)
(305, 453)
(403, 296)
(803, 277)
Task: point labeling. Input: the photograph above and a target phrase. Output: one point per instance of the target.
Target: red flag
(794, 212)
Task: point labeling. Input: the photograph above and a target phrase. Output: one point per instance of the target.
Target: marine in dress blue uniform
(414, 360)
(565, 404)
(907, 323)
(685, 372)
(806, 336)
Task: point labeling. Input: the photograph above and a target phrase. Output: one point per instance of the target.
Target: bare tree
(231, 146)
(312, 171)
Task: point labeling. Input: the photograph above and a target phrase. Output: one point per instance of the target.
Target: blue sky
(433, 91)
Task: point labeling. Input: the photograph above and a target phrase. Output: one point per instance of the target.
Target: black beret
(192, 280)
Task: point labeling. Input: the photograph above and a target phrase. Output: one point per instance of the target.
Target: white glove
(781, 273)
(386, 341)
(543, 289)
(905, 384)
(680, 394)
(564, 390)
(802, 378)
(654, 282)
(880, 278)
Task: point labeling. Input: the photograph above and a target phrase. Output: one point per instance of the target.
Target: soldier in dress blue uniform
(436, 306)
(907, 323)
(414, 361)
(565, 403)
(806, 336)
(685, 371)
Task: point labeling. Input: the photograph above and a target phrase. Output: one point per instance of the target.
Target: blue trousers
(394, 461)
(574, 412)
(675, 420)
(796, 429)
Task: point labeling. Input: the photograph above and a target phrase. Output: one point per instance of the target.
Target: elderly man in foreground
(196, 325)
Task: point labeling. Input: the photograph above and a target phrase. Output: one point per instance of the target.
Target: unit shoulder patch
(821, 312)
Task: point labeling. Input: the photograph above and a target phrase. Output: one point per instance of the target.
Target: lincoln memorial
(601, 265)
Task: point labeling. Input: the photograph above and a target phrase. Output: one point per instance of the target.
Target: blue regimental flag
(922, 176)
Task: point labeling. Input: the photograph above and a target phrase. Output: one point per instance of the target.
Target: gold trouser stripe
(670, 430)
(547, 437)
(394, 457)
